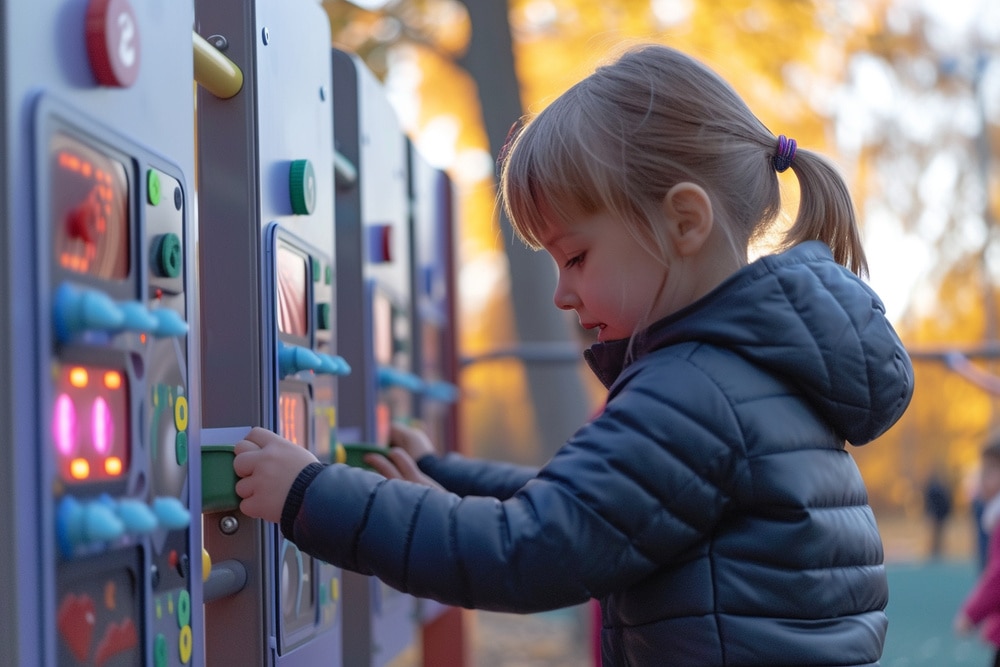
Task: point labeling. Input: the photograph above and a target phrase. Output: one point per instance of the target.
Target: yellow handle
(213, 71)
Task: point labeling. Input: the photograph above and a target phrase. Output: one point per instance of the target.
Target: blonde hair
(619, 139)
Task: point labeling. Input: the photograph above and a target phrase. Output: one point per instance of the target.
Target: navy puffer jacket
(711, 506)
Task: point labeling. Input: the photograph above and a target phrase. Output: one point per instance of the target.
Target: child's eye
(575, 261)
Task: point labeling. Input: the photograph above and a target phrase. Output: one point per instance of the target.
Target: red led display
(293, 414)
(90, 423)
(90, 209)
(293, 275)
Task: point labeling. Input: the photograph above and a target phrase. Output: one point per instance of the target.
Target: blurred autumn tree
(918, 117)
(873, 84)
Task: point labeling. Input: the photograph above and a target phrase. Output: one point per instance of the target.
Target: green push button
(153, 187)
(160, 651)
(302, 187)
(353, 454)
(218, 479)
(181, 448)
(328, 275)
(183, 608)
(317, 270)
(323, 316)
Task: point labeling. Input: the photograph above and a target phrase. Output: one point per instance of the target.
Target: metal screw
(219, 42)
(265, 35)
(229, 524)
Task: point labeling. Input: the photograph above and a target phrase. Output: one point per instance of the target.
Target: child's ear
(689, 217)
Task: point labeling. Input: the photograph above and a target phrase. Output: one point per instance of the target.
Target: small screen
(293, 275)
(90, 206)
(90, 423)
(292, 409)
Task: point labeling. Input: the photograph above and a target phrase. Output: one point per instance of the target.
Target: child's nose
(565, 298)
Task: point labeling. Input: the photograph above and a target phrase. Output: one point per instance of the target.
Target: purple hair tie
(782, 160)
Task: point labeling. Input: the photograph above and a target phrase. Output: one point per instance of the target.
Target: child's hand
(267, 464)
(398, 464)
(413, 440)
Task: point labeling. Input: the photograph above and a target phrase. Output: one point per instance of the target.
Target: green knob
(302, 187)
(168, 256)
(153, 187)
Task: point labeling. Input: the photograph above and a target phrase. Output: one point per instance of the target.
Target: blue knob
(294, 358)
(445, 392)
(99, 523)
(78, 523)
(393, 377)
(136, 516)
(171, 512)
(168, 323)
(333, 365)
(75, 310)
(67, 519)
(137, 317)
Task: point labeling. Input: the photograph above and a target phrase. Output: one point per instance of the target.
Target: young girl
(712, 506)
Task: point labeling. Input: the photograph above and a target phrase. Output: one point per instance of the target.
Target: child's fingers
(245, 463)
(245, 446)
(261, 436)
(244, 488)
(404, 463)
(382, 465)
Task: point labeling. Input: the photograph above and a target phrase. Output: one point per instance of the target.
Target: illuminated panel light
(79, 469)
(292, 406)
(113, 466)
(64, 425)
(102, 425)
(90, 215)
(90, 423)
(113, 379)
(78, 377)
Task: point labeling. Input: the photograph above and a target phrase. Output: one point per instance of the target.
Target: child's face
(606, 276)
(990, 478)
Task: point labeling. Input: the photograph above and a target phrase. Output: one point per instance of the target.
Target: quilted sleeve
(626, 495)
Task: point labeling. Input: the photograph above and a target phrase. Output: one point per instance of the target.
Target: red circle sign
(113, 42)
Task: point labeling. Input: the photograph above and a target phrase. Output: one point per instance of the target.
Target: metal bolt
(229, 524)
(265, 35)
(219, 42)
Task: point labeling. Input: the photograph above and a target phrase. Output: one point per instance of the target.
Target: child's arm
(460, 475)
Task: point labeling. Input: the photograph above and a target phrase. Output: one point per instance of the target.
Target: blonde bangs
(550, 174)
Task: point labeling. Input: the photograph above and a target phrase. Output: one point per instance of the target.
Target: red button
(113, 45)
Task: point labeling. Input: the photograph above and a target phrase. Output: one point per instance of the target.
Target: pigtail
(826, 211)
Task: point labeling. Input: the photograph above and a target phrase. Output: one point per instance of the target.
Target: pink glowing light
(102, 425)
(64, 425)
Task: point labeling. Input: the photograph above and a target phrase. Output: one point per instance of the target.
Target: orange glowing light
(69, 161)
(112, 379)
(142, 338)
(78, 377)
(79, 468)
(113, 466)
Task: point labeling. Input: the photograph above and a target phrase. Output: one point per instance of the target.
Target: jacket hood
(801, 316)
